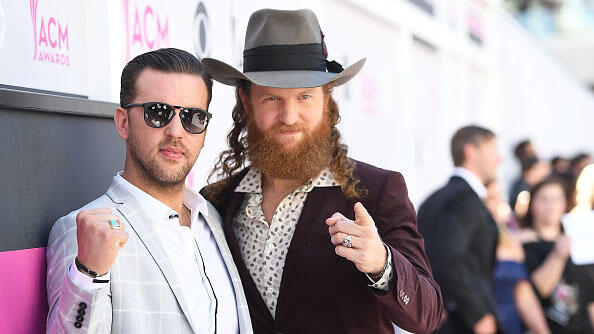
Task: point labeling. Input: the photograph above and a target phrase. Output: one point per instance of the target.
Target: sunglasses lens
(194, 120)
(158, 115)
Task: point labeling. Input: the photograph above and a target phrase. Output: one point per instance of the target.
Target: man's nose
(289, 113)
(174, 128)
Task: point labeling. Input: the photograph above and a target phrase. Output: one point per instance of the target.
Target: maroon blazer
(321, 292)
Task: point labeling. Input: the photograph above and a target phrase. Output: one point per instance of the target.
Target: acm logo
(201, 32)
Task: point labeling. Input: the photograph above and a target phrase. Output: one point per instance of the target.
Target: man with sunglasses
(150, 255)
(323, 243)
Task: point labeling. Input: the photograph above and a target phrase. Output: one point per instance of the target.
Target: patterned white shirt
(264, 247)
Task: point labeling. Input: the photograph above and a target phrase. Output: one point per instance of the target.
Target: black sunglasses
(159, 114)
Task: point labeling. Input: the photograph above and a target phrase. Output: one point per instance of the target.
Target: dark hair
(233, 159)
(577, 159)
(528, 220)
(521, 150)
(528, 163)
(470, 134)
(168, 60)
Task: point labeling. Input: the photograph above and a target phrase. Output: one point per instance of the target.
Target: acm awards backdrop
(77, 49)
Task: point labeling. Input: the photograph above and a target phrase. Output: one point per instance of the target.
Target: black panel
(51, 162)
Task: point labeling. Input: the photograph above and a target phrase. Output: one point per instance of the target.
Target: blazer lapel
(141, 224)
(312, 218)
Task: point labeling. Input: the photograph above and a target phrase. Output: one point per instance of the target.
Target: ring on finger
(114, 224)
(347, 242)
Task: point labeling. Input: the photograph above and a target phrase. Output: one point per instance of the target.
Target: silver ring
(347, 242)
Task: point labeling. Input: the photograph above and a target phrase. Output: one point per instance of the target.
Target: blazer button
(81, 311)
(77, 324)
(83, 305)
(79, 318)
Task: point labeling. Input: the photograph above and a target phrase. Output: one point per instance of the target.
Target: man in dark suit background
(461, 236)
(325, 244)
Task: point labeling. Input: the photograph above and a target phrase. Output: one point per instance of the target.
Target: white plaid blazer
(144, 294)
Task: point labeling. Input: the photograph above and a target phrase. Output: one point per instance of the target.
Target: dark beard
(301, 162)
(155, 174)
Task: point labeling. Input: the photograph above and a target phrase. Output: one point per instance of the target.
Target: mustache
(283, 127)
(177, 144)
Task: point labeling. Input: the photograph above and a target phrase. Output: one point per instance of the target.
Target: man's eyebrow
(265, 93)
(304, 91)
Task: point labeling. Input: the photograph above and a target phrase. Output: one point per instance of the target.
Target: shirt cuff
(383, 282)
(85, 282)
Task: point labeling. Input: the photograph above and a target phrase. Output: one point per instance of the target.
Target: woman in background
(566, 291)
(518, 308)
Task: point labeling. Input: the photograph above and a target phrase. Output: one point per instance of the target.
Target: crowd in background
(504, 264)
(539, 198)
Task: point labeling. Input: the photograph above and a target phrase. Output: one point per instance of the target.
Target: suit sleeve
(69, 304)
(413, 300)
(451, 264)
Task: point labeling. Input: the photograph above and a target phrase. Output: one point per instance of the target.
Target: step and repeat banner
(77, 49)
(43, 46)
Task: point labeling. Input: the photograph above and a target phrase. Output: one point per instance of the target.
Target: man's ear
(244, 98)
(122, 122)
(469, 152)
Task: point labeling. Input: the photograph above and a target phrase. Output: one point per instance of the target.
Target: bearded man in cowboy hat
(323, 243)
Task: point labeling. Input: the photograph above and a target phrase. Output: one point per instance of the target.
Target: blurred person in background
(518, 307)
(533, 171)
(461, 235)
(560, 167)
(578, 163)
(565, 290)
(584, 190)
(584, 203)
(524, 152)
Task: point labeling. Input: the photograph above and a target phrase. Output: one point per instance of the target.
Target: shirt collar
(157, 209)
(252, 182)
(473, 181)
(194, 201)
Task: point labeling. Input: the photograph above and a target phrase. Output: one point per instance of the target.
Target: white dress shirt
(195, 258)
(473, 181)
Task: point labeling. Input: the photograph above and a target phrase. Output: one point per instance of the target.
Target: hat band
(305, 57)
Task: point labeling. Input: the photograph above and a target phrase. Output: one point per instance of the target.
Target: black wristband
(81, 267)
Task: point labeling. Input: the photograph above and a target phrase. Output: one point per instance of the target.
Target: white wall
(398, 113)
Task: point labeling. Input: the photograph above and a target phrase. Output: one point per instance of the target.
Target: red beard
(303, 161)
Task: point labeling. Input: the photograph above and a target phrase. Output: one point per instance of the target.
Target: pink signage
(23, 294)
(50, 37)
(147, 28)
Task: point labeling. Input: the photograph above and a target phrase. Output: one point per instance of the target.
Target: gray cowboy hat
(284, 49)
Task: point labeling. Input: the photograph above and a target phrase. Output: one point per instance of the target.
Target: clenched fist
(98, 243)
